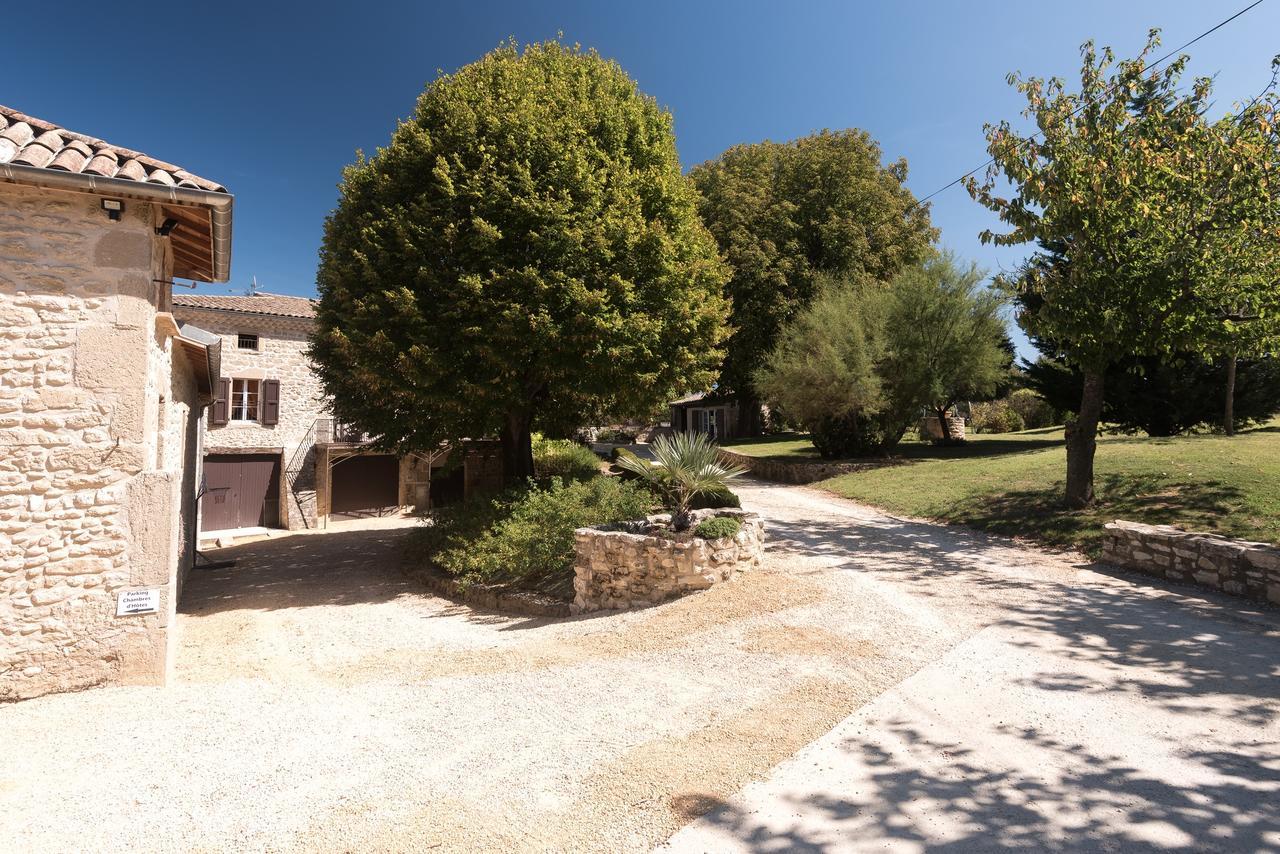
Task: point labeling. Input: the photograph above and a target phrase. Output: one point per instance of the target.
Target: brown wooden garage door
(241, 491)
(365, 485)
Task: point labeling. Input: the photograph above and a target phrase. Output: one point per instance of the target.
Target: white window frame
(257, 339)
(242, 392)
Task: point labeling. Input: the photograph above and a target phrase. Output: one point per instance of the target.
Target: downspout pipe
(219, 204)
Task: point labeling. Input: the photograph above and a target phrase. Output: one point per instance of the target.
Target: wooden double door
(241, 491)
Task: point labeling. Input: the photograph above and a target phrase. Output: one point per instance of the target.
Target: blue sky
(272, 100)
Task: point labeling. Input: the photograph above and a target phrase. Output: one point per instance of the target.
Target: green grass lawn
(1012, 483)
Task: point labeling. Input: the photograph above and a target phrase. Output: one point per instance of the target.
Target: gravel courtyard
(324, 702)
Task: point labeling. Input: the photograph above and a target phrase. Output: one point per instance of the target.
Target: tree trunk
(1082, 441)
(1229, 404)
(748, 415)
(517, 449)
(944, 426)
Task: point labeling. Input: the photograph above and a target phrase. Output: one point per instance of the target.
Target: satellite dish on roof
(253, 288)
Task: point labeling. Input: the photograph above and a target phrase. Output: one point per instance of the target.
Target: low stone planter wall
(619, 569)
(1235, 566)
(493, 598)
(798, 472)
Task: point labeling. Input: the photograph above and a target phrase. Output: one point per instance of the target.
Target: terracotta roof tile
(30, 141)
(68, 160)
(259, 303)
(133, 170)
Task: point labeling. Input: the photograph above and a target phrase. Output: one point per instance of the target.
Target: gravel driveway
(324, 702)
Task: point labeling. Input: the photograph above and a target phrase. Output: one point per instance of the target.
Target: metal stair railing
(298, 460)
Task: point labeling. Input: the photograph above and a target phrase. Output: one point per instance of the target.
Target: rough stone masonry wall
(616, 569)
(1235, 566)
(86, 478)
(281, 356)
(797, 472)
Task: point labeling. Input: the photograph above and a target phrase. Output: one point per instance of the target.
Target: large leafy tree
(1163, 217)
(787, 214)
(524, 254)
(946, 335)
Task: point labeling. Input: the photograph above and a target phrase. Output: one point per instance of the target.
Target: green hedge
(563, 459)
(525, 537)
(715, 500)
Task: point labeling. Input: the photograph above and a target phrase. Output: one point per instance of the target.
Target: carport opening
(365, 485)
(448, 485)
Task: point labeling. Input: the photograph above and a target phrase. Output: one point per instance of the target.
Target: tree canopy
(1165, 219)
(946, 335)
(786, 214)
(857, 365)
(1164, 395)
(524, 253)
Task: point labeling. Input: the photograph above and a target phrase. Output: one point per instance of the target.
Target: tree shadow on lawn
(1041, 515)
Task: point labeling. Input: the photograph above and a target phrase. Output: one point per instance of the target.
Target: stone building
(101, 395)
(274, 455)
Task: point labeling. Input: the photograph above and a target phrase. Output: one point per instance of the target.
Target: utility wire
(1074, 112)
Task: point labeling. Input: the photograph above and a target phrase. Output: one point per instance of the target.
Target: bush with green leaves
(715, 500)
(524, 537)
(615, 435)
(995, 416)
(856, 366)
(563, 459)
(856, 435)
(718, 528)
(684, 467)
(1036, 412)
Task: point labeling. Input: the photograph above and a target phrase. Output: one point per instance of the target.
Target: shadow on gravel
(303, 570)
(1186, 650)
(1108, 805)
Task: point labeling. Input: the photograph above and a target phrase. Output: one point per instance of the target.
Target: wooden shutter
(270, 402)
(220, 411)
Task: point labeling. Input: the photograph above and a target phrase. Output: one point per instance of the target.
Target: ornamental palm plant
(686, 466)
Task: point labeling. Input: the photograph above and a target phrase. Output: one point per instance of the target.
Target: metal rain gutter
(219, 204)
(211, 344)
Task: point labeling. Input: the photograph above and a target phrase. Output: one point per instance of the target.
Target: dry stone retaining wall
(1235, 566)
(781, 471)
(618, 569)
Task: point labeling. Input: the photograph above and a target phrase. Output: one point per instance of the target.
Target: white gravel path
(325, 703)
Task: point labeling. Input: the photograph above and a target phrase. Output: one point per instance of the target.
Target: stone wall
(281, 355)
(799, 471)
(617, 569)
(95, 425)
(930, 429)
(1235, 566)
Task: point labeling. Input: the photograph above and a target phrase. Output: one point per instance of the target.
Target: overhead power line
(1153, 64)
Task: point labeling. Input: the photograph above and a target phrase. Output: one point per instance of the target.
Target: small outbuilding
(713, 415)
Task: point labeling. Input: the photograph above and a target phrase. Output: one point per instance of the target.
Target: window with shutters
(244, 400)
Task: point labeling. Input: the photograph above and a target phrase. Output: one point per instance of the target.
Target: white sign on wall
(130, 602)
